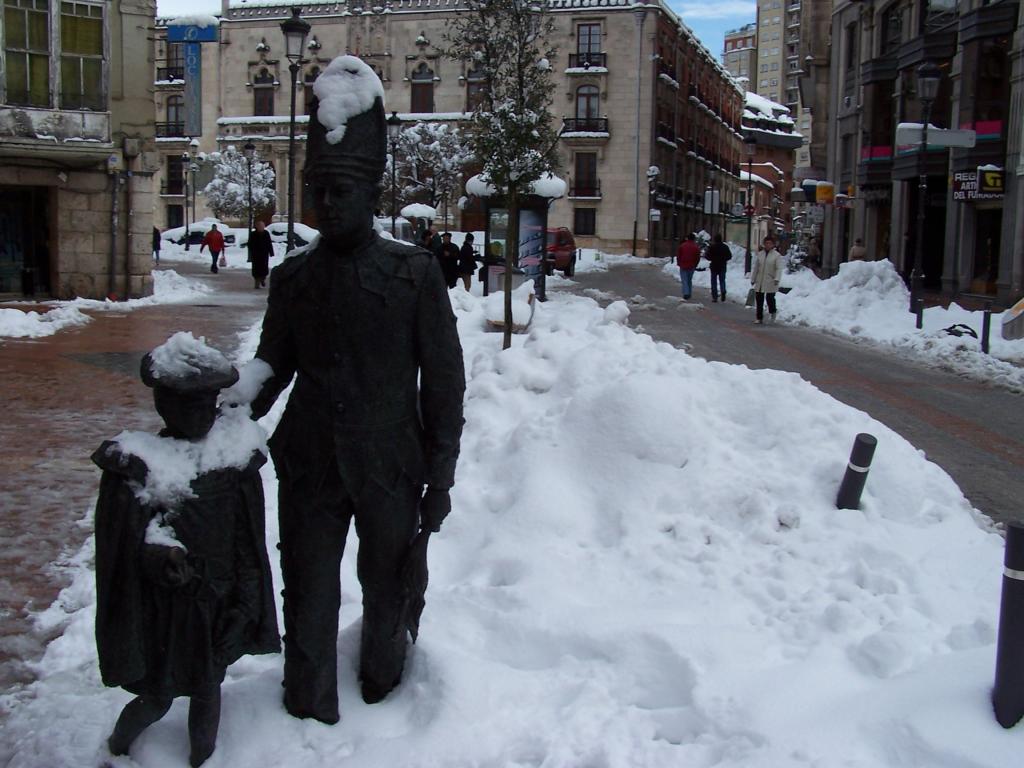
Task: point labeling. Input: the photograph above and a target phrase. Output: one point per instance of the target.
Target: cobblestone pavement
(62, 396)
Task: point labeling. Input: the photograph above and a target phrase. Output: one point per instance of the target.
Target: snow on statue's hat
(186, 364)
(347, 128)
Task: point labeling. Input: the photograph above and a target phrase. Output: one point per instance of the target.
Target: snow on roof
(347, 88)
(766, 107)
(744, 176)
(419, 211)
(548, 185)
(194, 20)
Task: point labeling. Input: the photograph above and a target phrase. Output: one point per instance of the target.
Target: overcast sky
(709, 20)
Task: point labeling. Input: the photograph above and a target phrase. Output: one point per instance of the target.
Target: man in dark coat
(718, 254)
(183, 584)
(260, 250)
(467, 261)
(356, 320)
(449, 258)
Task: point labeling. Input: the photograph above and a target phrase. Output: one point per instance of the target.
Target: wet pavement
(62, 396)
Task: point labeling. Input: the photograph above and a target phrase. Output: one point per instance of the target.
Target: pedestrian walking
(857, 251)
(718, 254)
(764, 277)
(213, 240)
(448, 257)
(467, 261)
(260, 250)
(156, 245)
(687, 257)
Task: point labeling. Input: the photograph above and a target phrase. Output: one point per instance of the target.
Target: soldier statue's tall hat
(347, 132)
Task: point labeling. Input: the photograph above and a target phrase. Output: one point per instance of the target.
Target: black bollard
(919, 311)
(1008, 692)
(856, 472)
(986, 326)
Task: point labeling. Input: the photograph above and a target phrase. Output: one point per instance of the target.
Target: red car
(560, 247)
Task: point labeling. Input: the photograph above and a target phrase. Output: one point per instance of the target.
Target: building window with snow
(81, 56)
(422, 89)
(27, 52)
(263, 93)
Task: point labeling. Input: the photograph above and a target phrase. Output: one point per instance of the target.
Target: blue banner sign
(193, 89)
(190, 33)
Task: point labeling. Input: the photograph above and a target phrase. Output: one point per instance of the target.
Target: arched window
(588, 102)
(263, 93)
(307, 91)
(422, 89)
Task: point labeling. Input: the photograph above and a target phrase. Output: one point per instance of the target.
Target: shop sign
(967, 186)
(825, 193)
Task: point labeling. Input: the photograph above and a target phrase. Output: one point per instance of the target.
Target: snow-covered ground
(168, 288)
(644, 567)
(869, 301)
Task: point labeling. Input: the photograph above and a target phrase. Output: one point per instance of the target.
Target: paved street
(973, 431)
(63, 396)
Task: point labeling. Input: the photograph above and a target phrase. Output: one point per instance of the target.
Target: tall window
(892, 30)
(175, 111)
(27, 50)
(307, 91)
(81, 56)
(422, 89)
(476, 87)
(588, 102)
(263, 93)
(588, 38)
(584, 221)
(174, 184)
(586, 174)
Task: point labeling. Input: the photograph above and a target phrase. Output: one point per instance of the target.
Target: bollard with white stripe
(1008, 692)
(856, 472)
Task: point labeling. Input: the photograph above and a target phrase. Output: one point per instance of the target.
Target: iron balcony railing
(586, 60)
(170, 130)
(586, 188)
(585, 124)
(171, 70)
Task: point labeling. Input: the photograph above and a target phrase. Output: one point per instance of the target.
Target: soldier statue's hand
(434, 508)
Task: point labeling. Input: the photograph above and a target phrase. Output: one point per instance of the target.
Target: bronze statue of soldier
(371, 430)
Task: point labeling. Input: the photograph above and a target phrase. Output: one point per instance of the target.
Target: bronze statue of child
(182, 577)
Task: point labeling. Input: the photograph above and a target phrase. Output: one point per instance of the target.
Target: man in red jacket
(213, 240)
(687, 257)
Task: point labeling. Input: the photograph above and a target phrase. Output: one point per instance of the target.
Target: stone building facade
(76, 148)
(634, 89)
(739, 53)
(974, 232)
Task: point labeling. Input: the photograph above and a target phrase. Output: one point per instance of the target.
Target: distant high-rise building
(740, 53)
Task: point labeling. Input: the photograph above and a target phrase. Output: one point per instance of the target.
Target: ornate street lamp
(295, 31)
(751, 144)
(929, 77)
(394, 129)
(249, 150)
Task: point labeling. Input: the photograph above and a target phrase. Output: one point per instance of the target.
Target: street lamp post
(928, 78)
(751, 144)
(185, 163)
(295, 31)
(193, 153)
(394, 129)
(640, 15)
(250, 152)
(652, 190)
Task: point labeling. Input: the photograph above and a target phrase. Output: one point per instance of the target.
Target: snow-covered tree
(227, 194)
(511, 131)
(431, 160)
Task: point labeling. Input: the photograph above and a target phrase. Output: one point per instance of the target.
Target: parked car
(279, 233)
(560, 247)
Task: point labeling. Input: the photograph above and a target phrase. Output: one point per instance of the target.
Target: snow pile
(174, 464)
(548, 185)
(184, 356)
(630, 576)
(18, 324)
(194, 20)
(168, 288)
(348, 87)
(522, 306)
(419, 211)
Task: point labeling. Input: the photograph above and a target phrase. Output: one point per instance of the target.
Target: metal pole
(922, 210)
(1008, 692)
(986, 326)
(249, 175)
(856, 471)
(293, 68)
(750, 212)
(641, 16)
(184, 180)
(393, 193)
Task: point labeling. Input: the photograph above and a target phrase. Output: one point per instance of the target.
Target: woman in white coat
(765, 276)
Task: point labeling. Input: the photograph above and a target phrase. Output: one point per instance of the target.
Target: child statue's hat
(186, 364)
(347, 134)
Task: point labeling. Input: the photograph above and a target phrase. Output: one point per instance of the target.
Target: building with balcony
(972, 238)
(76, 148)
(634, 89)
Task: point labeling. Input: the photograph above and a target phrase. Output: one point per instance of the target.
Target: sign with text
(967, 187)
(193, 35)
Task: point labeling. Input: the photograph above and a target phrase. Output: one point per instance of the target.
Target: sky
(709, 21)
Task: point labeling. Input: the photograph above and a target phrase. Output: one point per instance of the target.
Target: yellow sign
(825, 194)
